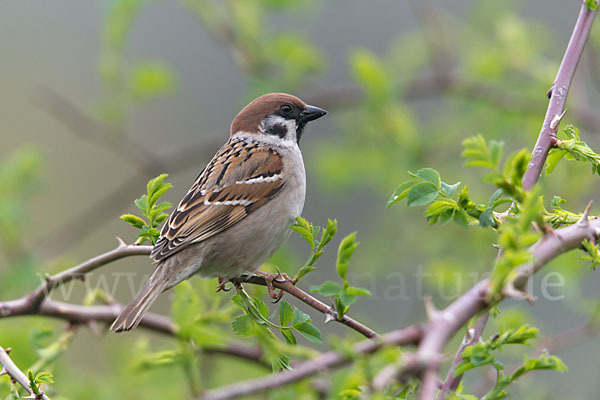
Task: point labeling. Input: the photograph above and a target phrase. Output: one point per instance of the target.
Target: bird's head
(278, 115)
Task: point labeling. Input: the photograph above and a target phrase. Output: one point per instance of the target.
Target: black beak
(311, 113)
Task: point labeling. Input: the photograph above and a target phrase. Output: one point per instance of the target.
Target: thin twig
(472, 336)
(10, 368)
(300, 294)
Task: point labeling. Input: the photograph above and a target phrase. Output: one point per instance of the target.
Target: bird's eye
(286, 109)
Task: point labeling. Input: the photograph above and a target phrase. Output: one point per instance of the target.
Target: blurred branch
(432, 85)
(85, 127)
(11, 369)
(471, 337)
(331, 359)
(103, 209)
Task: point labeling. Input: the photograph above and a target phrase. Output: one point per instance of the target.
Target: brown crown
(249, 119)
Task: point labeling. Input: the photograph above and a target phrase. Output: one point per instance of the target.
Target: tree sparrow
(238, 211)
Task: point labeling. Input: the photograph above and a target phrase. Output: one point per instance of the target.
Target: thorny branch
(11, 369)
(554, 114)
(432, 336)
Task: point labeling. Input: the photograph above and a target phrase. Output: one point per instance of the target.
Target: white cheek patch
(289, 125)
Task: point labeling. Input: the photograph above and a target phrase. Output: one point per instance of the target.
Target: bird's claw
(222, 287)
(269, 278)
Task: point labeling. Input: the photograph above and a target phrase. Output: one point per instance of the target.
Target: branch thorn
(549, 92)
(511, 291)
(121, 242)
(430, 309)
(556, 120)
(584, 220)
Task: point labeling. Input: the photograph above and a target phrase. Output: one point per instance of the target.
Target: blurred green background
(98, 97)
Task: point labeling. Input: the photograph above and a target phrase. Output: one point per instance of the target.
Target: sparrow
(239, 209)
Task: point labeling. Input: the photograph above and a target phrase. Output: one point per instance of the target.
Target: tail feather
(131, 315)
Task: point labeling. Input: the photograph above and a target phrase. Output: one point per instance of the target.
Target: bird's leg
(223, 285)
(269, 278)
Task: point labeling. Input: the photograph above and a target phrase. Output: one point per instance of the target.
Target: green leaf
(44, 377)
(327, 289)
(449, 190)
(263, 309)
(553, 158)
(591, 5)
(133, 220)
(557, 201)
(370, 73)
(328, 233)
(422, 194)
(242, 326)
(345, 251)
(309, 331)
(487, 218)
(150, 80)
(299, 318)
(158, 193)
(347, 299)
(185, 310)
(401, 192)
(286, 313)
(428, 175)
(461, 218)
(305, 229)
(356, 291)
(479, 154)
(142, 205)
(446, 216)
(289, 336)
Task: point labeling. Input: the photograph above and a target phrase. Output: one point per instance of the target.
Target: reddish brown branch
(558, 97)
(300, 294)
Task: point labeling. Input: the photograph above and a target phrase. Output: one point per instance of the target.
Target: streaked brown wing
(238, 180)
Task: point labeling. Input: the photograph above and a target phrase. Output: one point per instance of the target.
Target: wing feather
(239, 179)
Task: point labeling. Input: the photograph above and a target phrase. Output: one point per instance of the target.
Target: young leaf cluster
(154, 213)
(445, 202)
(290, 319)
(310, 233)
(483, 353)
(344, 295)
(37, 380)
(593, 251)
(559, 216)
(257, 322)
(479, 153)
(542, 362)
(572, 148)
